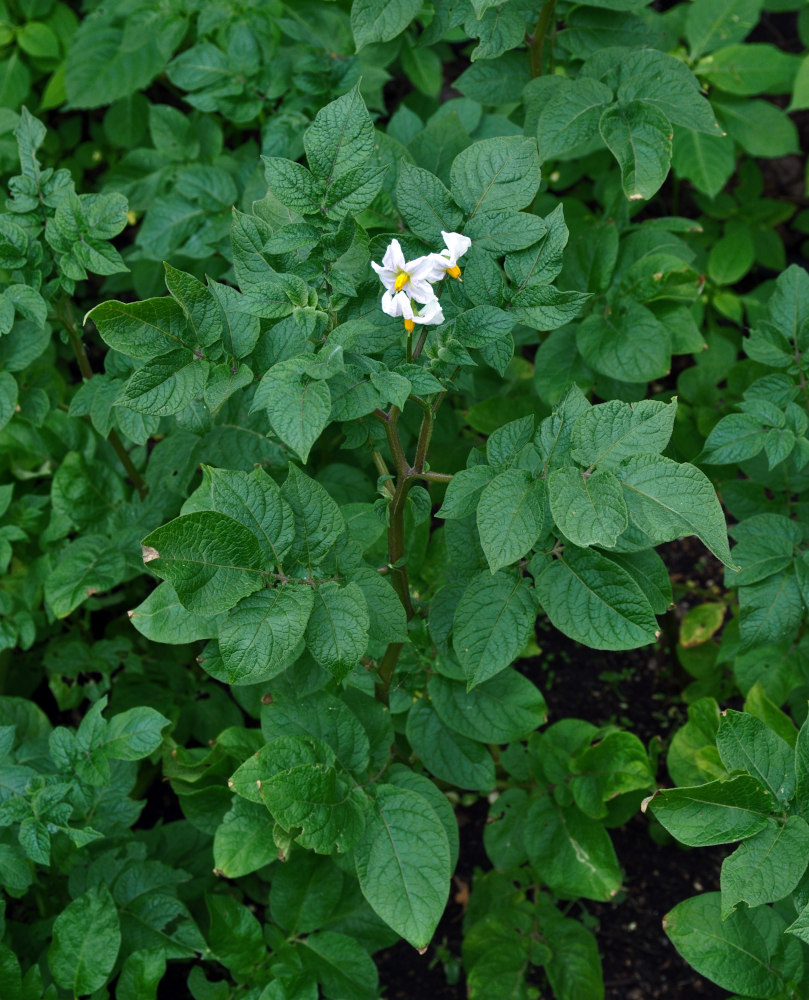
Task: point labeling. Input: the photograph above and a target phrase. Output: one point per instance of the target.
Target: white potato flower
(446, 262)
(400, 304)
(408, 276)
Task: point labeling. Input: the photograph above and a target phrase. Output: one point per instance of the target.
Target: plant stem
(538, 41)
(65, 316)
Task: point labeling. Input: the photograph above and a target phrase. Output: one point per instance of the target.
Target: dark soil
(639, 690)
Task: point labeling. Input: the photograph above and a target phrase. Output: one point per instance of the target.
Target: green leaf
(254, 500)
(510, 517)
(293, 185)
(318, 521)
(735, 438)
(447, 754)
(569, 853)
(403, 863)
(570, 117)
(594, 601)
(769, 610)
(196, 301)
(574, 969)
(506, 708)
(719, 812)
(708, 161)
(329, 812)
(381, 20)
(38, 40)
(322, 717)
(501, 232)
(8, 397)
(464, 491)
(261, 635)
(745, 743)
(607, 433)
(500, 173)
(144, 329)
(85, 943)
(732, 952)
(426, 204)
(162, 618)
(751, 69)
(731, 257)
(141, 974)
(760, 128)
(614, 766)
(340, 138)
(629, 344)
(341, 964)
(711, 24)
(210, 559)
(588, 508)
(166, 385)
(89, 565)
(243, 841)
(387, 616)
(667, 500)
(305, 894)
(639, 137)
(105, 62)
(134, 734)
(299, 407)
(493, 620)
(337, 633)
(353, 191)
(235, 934)
(766, 867)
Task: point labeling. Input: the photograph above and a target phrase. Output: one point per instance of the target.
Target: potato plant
(341, 343)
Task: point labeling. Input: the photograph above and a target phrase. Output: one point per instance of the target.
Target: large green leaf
(318, 521)
(606, 434)
(594, 601)
(298, 406)
(767, 866)
(711, 24)
(325, 812)
(426, 204)
(745, 743)
(446, 753)
(510, 516)
(261, 635)
(211, 560)
(85, 942)
(667, 500)
(337, 632)
(639, 137)
(254, 500)
(143, 329)
(403, 863)
(492, 623)
(718, 812)
(588, 507)
(570, 853)
(496, 173)
(340, 138)
(243, 842)
(381, 20)
(166, 385)
(506, 708)
(734, 953)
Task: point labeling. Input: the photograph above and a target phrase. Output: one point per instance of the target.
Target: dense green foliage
(274, 541)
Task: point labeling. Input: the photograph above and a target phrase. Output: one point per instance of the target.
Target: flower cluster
(409, 284)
